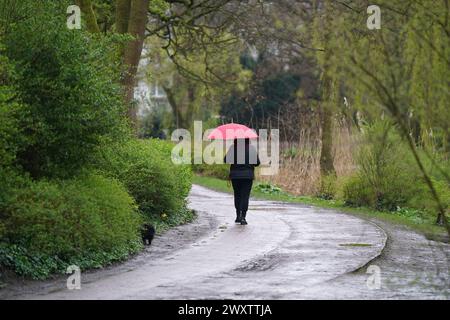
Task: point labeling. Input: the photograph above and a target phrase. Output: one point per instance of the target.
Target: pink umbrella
(232, 131)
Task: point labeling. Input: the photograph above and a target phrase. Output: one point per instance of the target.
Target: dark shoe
(238, 217)
(243, 221)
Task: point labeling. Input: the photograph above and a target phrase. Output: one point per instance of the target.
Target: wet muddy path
(286, 252)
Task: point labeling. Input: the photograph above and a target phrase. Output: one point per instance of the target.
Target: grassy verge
(162, 225)
(413, 220)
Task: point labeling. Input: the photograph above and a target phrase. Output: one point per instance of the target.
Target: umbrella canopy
(232, 131)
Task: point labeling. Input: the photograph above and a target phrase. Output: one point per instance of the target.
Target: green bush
(88, 221)
(11, 111)
(328, 187)
(146, 170)
(10, 138)
(10, 181)
(357, 192)
(68, 82)
(61, 111)
(424, 200)
(183, 173)
(387, 177)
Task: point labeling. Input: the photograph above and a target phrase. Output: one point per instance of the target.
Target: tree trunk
(326, 121)
(326, 154)
(132, 52)
(89, 15)
(122, 15)
(326, 125)
(175, 106)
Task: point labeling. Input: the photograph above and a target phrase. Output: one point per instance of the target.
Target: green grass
(422, 224)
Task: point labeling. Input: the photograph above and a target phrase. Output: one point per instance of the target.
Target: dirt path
(286, 252)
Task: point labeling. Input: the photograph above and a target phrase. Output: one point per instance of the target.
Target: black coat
(242, 168)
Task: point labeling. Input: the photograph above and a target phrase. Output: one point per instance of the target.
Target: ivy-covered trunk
(131, 18)
(133, 50)
(89, 15)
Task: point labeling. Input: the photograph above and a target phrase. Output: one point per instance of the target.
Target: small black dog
(148, 232)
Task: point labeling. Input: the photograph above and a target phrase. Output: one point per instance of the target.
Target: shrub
(389, 179)
(11, 138)
(10, 181)
(183, 173)
(357, 193)
(424, 200)
(328, 187)
(69, 85)
(387, 176)
(146, 170)
(88, 221)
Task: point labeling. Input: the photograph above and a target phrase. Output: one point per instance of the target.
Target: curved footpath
(287, 251)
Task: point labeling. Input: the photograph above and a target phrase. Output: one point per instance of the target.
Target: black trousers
(242, 189)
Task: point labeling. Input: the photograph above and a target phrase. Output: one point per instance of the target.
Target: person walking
(243, 158)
